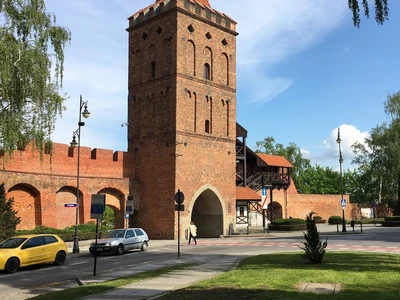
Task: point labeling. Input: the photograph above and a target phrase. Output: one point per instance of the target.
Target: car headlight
(108, 244)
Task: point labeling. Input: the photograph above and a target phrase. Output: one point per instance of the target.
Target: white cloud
(349, 134)
(270, 32)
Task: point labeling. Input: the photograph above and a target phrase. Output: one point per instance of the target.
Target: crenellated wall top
(64, 161)
(200, 8)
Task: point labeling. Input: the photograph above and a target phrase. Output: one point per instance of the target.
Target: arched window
(207, 126)
(153, 69)
(207, 72)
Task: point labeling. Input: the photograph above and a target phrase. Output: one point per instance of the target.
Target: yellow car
(26, 250)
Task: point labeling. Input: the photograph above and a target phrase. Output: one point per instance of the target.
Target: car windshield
(12, 243)
(116, 234)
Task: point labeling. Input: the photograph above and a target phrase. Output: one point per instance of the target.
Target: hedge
(294, 227)
(333, 220)
(292, 224)
(390, 223)
(290, 221)
(391, 219)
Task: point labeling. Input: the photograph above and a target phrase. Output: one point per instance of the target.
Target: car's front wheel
(12, 265)
(144, 246)
(120, 249)
(60, 258)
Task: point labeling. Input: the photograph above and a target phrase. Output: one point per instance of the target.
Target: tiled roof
(275, 160)
(246, 193)
(201, 2)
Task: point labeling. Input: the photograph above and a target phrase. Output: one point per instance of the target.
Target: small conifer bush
(313, 247)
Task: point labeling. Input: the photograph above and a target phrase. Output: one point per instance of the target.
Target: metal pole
(76, 237)
(338, 140)
(95, 248)
(179, 230)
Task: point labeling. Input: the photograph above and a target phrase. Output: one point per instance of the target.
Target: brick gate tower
(182, 117)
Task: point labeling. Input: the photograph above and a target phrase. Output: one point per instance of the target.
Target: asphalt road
(376, 239)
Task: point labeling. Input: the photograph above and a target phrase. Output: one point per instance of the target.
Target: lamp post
(74, 144)
(338, 140)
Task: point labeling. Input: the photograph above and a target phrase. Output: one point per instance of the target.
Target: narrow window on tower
(207, 72)
(153, 69)
(207, 126)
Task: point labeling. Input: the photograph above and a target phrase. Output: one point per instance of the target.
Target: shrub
(335, 220)
(292, 224)
(8, 216)
(313, 246)
(390, 223)
(391, 219)
(292, 221)
(318, 220)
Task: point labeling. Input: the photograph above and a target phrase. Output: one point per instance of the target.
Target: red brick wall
(40, 188)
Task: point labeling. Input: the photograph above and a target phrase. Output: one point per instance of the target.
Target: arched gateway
(207, 214)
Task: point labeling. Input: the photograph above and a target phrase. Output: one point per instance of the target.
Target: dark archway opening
(207, 215)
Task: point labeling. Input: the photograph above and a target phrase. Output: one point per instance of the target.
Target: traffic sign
(343, 202)
(264, 203)
(264, 191)
(97, 206)
(70, 205)
(179, 197)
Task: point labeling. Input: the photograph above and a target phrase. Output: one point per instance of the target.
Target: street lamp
(74, 144)
(338, 140)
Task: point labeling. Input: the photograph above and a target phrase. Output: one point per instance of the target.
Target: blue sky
(303, 70)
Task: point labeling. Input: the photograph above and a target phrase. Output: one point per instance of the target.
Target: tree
(8, 216)
(318, 180)
(381, 11)
(292, 153)
(313, 247)
(380, 158)
(32, 57)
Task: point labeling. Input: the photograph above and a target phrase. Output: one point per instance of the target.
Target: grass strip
(101, 287)
(361, 275)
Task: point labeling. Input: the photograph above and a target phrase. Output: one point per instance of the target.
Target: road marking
(78, 263)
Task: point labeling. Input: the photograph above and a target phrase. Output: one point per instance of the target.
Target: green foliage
(30, 43)
(108, 217)
(391, 221)
(85, 231)
(318, 180)
(292, 224)
(381, 11)
(394, 218)
(290, 221)
(335, 220)
(293, 227)
(313, 247)
(8, 216)
(379, 158)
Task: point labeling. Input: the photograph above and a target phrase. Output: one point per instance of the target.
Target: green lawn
(276, 276)
(97, 288)
(362, 276)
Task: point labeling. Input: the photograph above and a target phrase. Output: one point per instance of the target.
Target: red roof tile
(201, 2)
(275, 160)
(246, 193)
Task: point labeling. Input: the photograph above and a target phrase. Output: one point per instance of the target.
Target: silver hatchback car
(119, 241)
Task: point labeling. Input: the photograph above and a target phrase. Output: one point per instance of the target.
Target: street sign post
(97, 208)
(179, 198)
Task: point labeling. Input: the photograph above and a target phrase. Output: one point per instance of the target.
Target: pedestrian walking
(192, 233)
